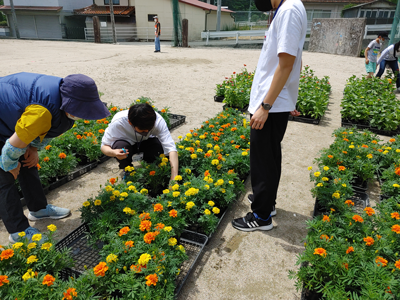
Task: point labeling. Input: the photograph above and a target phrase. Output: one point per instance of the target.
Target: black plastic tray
(244, 109)
(361, 201)
(175, 120)
(350, 123)
(310, 295)
(219, 98)
(303, 119)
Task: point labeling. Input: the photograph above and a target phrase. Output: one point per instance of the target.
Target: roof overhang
(95, 10)
(32, 8)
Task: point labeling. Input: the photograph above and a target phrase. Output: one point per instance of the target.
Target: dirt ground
(235, 265)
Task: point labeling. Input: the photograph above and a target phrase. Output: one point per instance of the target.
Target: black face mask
(263, 5)
(142, 133)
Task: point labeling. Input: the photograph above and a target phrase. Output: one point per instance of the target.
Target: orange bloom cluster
(396, 228)
(46, 159)
(206, 173)
(369, 241)
(48, 147)
(71, 292)
(144, 216)
(397, 264)
(6, 254)
(231, 171)
(112, 180)
(159, 226)
(145, 225)
(395, 215)
(330, 156)
(38, 166)
(152, 173)
(137, 268)
(100, 269)
(3, 279)
(149, 237)
(364, 146)
(79, 137)
(358, 218)
(124, 231)
(320, 251)
(48, 280)
(349, 202)
(152, 279)
(381, 262)
(101, 131)
(326, 218)
(158, 207)
(349, 250)
(342, 168)
(129, 244)
(369, 210)
(62, 155)
(324, 237)
(113, 108)
(392, 140)
(346, 266)
(397, 171)
(173, 213)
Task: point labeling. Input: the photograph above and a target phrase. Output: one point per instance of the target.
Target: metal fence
(129, 34)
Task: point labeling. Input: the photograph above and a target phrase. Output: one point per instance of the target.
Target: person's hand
(259, 118)
(295, 113)
(120, 154)
(31, 157)
(15, 172)
(366, 61)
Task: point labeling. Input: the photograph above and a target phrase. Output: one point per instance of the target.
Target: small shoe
(250, 197)
(252, 222)
(50, 212)
(29, 232)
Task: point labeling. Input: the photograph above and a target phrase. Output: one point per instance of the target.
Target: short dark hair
(383, 34)
(142, 116)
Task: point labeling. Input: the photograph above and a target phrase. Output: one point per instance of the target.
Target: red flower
(152, 173)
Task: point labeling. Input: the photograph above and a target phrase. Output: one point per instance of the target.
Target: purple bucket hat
(80, 98)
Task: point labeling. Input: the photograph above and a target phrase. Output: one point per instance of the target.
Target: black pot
(219, 98)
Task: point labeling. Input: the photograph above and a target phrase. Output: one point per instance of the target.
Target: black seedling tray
(175, 120)
(303, 119)
(361, 201)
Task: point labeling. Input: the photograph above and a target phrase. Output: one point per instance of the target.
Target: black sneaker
(251, 222)
(250, 197)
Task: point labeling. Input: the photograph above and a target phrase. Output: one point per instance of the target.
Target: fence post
(185, 32)
(96, 29)
(208, 35)
(237, 37)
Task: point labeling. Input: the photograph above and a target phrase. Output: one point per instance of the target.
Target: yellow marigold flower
(231, 182)
(193, 156)
(200, 151)
(32, 246)
(336, 195)
(181, 248)
(17, 245)
(124, 194)
(175, 194)
(129, 183)
(175, 187)
(112, 198)
(191, 192)
(144, 259)
(168, 228)
(385, 152)
(326, 168)
(132, 188)
(127, 210)
(179, 137)
(209, 146)
(396, 185)
(397, 150)
(46, 246)
(86, 204)
(309, 168)
(189, 135)
(325, 179)
(28, 275)
(166, 191)
(210, 180)
(165, 160)
(36, 237)
(97, 202)
(222, 191)
(210, 151)
(189, 205)
(215, 162)
(207, 187)
(21, 234)
(178, 178)
(244, 153)
(116, 193)
(344, 185)
(320, 184)
(216, 210)
(317, 174)
(181, 147)
(111, 258)
(369, 156)
(31, 259)
(188, 171)
(144, 191)
(207, 212)
(211, 203)
(109, 188)
(351, 146)
(172, 241)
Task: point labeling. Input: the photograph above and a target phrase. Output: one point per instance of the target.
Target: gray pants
(11, 210)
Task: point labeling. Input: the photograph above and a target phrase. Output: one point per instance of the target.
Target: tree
(2, 16)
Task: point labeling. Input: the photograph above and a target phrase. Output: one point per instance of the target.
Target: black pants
(393, 65)
(151, 149)
(265, 162)
(11, 210)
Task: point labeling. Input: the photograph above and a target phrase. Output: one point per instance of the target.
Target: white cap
(155, 17)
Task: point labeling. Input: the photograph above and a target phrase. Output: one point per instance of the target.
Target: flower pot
(310, 295)
(359, 184)
(219, 98)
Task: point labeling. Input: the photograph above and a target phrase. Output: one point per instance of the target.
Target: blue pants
(157, 43)
(393, 65)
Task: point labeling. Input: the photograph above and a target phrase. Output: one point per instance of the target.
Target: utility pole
(112, 21)
(250, 13)
(14, 19)
(219, 15)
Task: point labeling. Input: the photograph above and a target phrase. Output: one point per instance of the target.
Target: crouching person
(139, 130)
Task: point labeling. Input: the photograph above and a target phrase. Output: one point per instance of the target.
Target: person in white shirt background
(139, 130)
(389, 58)
(273, 97)
(371, 53)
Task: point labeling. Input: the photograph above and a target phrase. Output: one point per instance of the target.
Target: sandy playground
(235, 265)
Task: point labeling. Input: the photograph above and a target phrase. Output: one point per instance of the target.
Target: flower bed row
(141, 256)
(370, 103)
(351, 253)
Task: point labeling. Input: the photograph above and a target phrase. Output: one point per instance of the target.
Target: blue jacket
(17, 91)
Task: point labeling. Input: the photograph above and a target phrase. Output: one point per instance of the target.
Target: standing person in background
(389, 57)
(273, 96)
(157, 28)
(371, 53)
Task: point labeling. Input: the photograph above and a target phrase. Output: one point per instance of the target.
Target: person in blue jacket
(33, 109)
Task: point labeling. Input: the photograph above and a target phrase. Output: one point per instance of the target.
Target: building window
(107, 2)
(318, 13)
(150, 18)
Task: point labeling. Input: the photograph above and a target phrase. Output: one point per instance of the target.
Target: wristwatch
(266, 106)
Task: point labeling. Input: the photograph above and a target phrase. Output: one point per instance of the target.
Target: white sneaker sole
(273, 213)
(11, 240)
(33, 218)
(262, 228)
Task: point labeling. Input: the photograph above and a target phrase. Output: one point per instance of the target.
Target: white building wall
(70, 5)
(33, 3)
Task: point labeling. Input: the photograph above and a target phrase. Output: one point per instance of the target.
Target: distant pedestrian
(157, 28)
(371, 53)
(389, 57)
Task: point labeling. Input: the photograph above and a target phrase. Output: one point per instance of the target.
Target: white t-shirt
(387, 55)
(120, 129)
(286, 34)
(373, 51)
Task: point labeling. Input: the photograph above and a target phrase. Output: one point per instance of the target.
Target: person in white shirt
(371, 53)
(273, 97)
(389, 57)
(139, 130)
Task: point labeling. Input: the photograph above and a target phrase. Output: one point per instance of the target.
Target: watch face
(266, 106)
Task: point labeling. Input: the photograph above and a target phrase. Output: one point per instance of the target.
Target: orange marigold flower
(152, 173)
(79, 137)
(395, 215)
(114, 108)
(86, 122)
(232, 141)
(112, 180)
(345, 152)
(124, 231)
(160, 226)
(242, 137)
(158, 207)
(233, 129)
(324, 237)
(369, 241)
(101, 130)
(346, 266)
(330, 156)
(374, 142)
(237, 146)
(62, 155)
(326, 218)
(320, 251)
(349, 202)
(357, 218)
(349, 250)
(173, 213)
(6, 254)
(152, 279)
(231, 171)
(46, 159)
(207, 155)
(380, 150)
(71, 292)
(106, 122)
(345, 140)
(48, 147)
(206, 173)
(129, 244)
(38, 166)
(378, 236)
(397, 171)
(364, 146)
(48, 280)
(163, 110)
(145, 225)
(397, 264)
(211, 126)
(342, 168)
(3, 279)
(392, 140)
(100, 269)
(369, 210)
(149, 237)
(144, 216)
(216, 138)
(381, 262)
(396, 228)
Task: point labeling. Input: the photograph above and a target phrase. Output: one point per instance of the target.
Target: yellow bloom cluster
(128, 211)
(191, 192)
(216, 210)
(31, 259)
(52, 227)
(219, 182)
(168, 228)
(109, 188)
(336, 195)
(28, 275)
(207, 212)
(97, 202)
(47, 246)
(175, 187)
(189, 205)
(172, 241)
(178, 178)
(86, 204)
(129, 169)
(111, 258)
(211, 203)
(166, 191)
(144, 259)
(215, 162)
(175, 194)
(144, 191)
